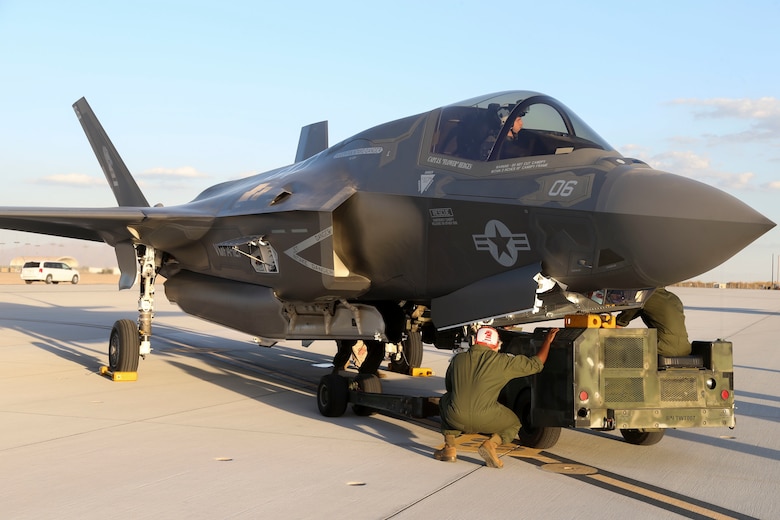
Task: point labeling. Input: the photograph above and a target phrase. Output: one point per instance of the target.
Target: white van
(49, 272)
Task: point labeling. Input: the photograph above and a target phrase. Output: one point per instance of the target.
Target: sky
(194, 93)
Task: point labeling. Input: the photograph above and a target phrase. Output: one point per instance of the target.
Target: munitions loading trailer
(596, 377)
(607, 378)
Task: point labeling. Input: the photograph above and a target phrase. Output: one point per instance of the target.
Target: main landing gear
(408, 354)
(130, 341)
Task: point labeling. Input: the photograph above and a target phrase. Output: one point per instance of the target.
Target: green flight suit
(663, 311)
(474, 380)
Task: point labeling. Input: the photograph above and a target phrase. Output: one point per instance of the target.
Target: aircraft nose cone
(674, 227)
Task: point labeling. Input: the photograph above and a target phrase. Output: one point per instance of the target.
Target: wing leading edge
(109, 225)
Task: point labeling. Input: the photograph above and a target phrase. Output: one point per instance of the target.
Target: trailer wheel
(332, 395)
(410, 356)
(643, 437)
(368, 383)
(539, 437)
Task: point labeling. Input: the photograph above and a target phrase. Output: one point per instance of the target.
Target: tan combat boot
(448, 452)
(487, 450)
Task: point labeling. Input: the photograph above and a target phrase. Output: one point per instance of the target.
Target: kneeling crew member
(663, 311)
(473, 381)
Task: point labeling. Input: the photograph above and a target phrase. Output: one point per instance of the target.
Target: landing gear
(409, 353)
(123, 347)
(148, 270)
(129, 340)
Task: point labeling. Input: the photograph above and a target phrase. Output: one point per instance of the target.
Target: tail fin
(125, 189)
(313, 140)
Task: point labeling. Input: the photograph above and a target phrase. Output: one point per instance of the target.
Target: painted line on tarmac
(653, 495)
(641, 491)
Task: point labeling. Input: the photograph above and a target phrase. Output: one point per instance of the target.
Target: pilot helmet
(488, 337)
(503, 114)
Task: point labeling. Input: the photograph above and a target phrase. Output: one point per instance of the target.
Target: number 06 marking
(561, 188)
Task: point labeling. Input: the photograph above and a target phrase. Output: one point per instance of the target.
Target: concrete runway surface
(217, 427)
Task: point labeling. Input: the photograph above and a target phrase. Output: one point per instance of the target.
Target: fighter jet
(505, 208)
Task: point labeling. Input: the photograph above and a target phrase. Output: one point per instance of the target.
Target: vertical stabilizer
(314, 139)
(125, 189)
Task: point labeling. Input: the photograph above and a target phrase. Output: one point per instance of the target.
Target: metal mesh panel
(678, 389)
(623, 390)
(624, 352)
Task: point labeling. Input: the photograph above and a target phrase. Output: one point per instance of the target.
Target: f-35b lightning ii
(411, 229)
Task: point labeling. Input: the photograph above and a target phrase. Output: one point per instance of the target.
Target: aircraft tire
(124, 347)
(366, 383)
(411, 355)
(538, 437)
(332, 395)
(643, 437)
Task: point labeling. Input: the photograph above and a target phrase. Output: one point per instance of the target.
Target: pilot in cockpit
(514, 132)
(516, 142)
(501, 115)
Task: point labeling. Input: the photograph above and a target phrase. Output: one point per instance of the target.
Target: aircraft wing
(99, 225)
(166, 228)
(109, 225)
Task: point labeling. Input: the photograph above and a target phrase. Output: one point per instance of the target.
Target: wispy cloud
(763, 114)
(761, 108)
(183, 172)
(691, 164)
(686, 162)
(691, 156)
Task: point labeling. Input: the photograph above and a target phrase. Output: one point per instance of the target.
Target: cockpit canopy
(484, 129)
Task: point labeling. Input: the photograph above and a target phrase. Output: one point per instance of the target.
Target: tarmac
(218, 427)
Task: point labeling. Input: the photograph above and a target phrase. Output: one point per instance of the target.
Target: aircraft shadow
(262, 388)
(249, 370)
(248, 375)
(36, 322)
(240, 367)
(726, 444)
(763, 369)
(691, 436)
(753, 395)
